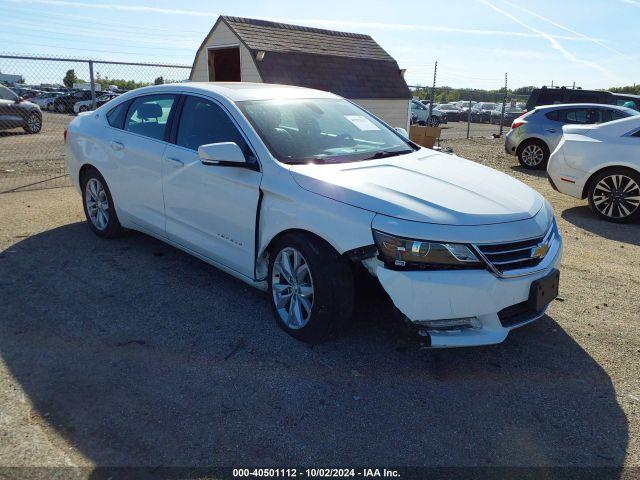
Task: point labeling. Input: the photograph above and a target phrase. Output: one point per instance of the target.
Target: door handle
(176, 161)
(551, 130)
(116, 145)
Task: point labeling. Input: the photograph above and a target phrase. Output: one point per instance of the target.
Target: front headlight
(405, 253)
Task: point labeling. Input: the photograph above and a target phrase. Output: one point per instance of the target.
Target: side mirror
(402, 132)
(19, 100)
(221, 154)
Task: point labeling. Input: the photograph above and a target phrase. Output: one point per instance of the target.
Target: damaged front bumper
(460, 308)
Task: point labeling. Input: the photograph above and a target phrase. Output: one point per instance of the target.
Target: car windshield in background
(321, 131)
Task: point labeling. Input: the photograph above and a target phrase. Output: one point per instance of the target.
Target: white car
(291, 189)
(45, 101)
(602, 163)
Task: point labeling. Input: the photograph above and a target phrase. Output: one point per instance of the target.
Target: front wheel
(311, 287)
(33, 123)
(614, 195)
(98, 205)
(433, 121)
(61, 108)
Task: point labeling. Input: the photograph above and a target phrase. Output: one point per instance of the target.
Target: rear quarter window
(116, 115)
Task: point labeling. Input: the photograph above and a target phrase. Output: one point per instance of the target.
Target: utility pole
(574, 85)
(433, 91)
(504, 103)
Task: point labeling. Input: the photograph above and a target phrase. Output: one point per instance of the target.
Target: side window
(617, 115)
(6, 94)
(555, 116)
(115, 116)
(606, 115)
(148, 115)
(637, 134)
(203, 122)
(576, 116)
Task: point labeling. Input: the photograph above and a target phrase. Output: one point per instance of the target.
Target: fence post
(433, 93)
(93, 85)
(468, 119)
(504, 103)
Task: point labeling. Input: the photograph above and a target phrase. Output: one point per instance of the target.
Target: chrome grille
(522, 254)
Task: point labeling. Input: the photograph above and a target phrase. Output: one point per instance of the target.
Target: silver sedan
(536, 134)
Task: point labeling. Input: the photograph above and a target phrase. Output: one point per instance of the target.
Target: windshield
(322, 131)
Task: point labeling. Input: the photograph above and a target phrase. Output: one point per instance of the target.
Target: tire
(33, 123)
(614, 195)
(104, 222)
(433, 121)
(321, 286)
(83, 108)
(533, 155)
(61, 108)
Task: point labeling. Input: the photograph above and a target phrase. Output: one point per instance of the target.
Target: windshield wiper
(387, 153)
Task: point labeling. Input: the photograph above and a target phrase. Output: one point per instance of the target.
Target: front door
(210, 209)
(9, 110)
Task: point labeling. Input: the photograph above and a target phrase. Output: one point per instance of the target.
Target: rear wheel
(99, 207)
(614, 195)
(533, 155)
(61, 108)
(311, 287)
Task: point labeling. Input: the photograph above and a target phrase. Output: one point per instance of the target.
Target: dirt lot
(130, 352)
(34, 161)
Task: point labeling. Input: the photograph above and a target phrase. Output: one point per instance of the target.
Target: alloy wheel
(616, 196)
(292, 288)
(532, 155)
(33, 122)
(95, 197)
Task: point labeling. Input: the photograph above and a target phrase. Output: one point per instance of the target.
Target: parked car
(65, 103)
(291, 189)
(421, 113)
(451, 111)
(536, 134)
(16, 112)
(85, 105)
(481, 112)
(45, 100)
(510, 114)
(601, 163)
(561, 95)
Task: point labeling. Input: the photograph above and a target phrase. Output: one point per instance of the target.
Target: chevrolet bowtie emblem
(540, 251)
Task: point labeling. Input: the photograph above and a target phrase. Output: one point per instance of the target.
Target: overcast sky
(592, 42)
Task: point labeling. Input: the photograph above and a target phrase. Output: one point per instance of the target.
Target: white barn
(351, 65)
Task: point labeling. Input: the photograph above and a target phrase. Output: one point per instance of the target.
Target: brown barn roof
(348, 64)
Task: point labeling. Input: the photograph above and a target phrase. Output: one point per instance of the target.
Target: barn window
(224, 64)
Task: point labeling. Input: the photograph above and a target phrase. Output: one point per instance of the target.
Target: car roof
(239, 91)
(579, 105)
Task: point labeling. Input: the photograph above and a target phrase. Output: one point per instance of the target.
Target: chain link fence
(39, 96)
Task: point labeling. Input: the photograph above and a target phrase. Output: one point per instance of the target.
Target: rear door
(211, 209)
(137, 149)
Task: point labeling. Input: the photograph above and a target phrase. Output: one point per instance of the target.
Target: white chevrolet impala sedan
(292, 190)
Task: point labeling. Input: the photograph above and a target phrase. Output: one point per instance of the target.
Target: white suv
(291, 189)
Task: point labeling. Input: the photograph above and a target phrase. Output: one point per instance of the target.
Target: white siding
(393, 112)
(223, 36)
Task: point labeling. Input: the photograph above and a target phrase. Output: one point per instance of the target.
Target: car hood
(424, 186)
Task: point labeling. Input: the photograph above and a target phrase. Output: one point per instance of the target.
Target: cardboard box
(425, 136)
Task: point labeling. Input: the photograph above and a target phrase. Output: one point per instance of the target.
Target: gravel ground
(34, 161)
(130, 352)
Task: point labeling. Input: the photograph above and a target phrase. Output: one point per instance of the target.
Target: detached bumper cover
(436, 295)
